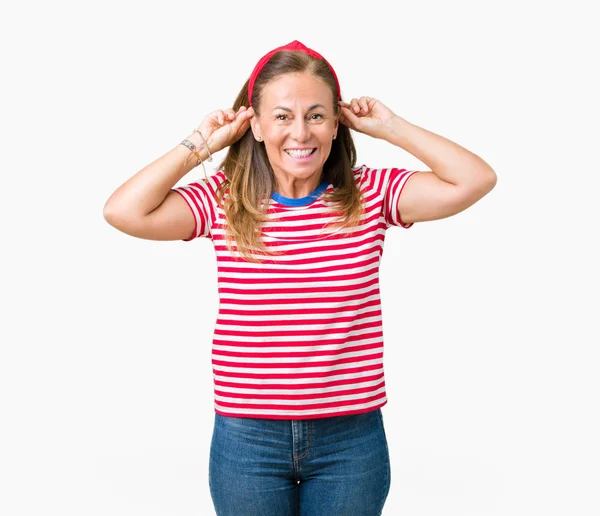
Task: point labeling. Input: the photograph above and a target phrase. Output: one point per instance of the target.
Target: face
(296, 113)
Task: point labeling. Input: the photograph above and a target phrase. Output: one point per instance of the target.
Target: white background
(490, 316)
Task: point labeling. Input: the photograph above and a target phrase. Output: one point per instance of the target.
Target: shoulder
(380, 180)
(359, 175)
(217, 179)
(212, 183)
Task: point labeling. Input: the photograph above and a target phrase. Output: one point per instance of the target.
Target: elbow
(486, 183)
(479, 189)
(108, 213)
(113, 215)
(492, 180)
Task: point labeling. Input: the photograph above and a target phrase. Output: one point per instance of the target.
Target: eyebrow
(309, 109)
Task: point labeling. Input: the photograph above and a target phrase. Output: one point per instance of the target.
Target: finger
(230, 113)
(242, 114)
(220, 116)
(243, 117)
(350, 116)
(363, 104)
(342, 105)
(215, 115)
(354, 106)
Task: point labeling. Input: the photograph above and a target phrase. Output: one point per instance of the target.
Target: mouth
(300, 155)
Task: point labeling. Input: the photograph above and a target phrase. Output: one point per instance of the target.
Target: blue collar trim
(301, 201)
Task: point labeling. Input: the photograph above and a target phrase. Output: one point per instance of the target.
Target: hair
(250, 177)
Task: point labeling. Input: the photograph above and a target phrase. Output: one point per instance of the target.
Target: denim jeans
(333, 466)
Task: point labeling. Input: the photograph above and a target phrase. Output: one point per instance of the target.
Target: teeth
(299, 154)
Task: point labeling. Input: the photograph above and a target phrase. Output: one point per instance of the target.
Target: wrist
(395, 128)
(201, 149)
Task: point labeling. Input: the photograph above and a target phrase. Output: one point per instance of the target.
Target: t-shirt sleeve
(199, 197)
(392, 184)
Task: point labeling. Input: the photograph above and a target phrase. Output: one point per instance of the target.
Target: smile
(300, 155)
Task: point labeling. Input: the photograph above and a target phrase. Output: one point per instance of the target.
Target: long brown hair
(250, 177)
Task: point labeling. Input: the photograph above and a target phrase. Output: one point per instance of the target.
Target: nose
(300, 130)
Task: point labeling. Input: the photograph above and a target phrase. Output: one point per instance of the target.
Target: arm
(144, 207)
(458, 178)
(147, 189)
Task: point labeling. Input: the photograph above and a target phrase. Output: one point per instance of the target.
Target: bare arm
(458, 179)
(144, 206)
(147, 189)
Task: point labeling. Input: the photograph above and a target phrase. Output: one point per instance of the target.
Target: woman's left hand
(366, 115)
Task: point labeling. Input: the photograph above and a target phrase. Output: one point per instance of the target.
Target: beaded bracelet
(192, 148)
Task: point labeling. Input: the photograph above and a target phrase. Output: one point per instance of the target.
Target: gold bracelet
(205, 143)
(197, 157)
(192, 148)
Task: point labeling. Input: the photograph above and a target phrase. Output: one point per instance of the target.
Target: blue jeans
(333, 466)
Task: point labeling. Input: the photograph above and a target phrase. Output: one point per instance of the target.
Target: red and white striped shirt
(300, 335)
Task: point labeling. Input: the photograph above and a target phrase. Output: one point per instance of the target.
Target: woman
(298, 231)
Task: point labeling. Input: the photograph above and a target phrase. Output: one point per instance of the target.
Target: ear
(255, 125)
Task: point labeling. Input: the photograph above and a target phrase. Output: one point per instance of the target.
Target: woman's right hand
(223, 128)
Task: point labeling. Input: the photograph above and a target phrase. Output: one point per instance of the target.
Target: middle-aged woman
(298, 231)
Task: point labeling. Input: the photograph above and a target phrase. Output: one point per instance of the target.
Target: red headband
(294, 45)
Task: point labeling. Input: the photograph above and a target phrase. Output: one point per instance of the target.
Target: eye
(285, 116)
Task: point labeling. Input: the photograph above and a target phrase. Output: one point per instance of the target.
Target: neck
(295, 188)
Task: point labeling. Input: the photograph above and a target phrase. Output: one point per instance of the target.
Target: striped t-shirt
(300, 335)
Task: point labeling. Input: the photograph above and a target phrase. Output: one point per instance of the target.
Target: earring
(334, 136)
(258, 139)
